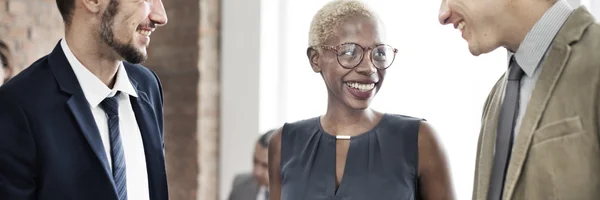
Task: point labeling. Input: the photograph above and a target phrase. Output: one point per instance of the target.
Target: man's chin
(479, 48)
(474, 49)
(138, 60)
(140, 50)
(135, 55)
(143, 53)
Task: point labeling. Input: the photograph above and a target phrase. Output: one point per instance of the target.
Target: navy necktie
(504, 133)
(111, 107)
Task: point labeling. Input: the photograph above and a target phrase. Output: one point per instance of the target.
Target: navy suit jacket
(50, 146)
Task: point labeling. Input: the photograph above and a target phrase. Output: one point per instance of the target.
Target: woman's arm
(434, 176)
(274, 171)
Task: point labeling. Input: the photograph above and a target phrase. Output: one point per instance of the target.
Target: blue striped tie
(111, 107)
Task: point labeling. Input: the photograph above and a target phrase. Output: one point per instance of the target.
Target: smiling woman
(433, 75)
(354, 151)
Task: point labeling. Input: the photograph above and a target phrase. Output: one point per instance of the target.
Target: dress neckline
(365, 134)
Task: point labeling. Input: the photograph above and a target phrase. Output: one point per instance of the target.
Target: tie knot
(515, 72)
(111, 105)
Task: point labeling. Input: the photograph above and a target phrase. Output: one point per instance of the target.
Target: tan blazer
(556, 154)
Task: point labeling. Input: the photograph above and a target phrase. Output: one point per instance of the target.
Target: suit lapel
(148, 124)
(487, 142)
(78, 105)
(552, 68)
(83, 115)
(551, 71)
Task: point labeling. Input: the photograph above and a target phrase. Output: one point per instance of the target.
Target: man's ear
(313, 58)
(94, 6)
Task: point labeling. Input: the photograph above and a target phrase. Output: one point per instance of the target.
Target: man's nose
(444, 13)
(158, 15)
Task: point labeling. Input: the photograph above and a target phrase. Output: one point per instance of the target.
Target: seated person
(255, 185)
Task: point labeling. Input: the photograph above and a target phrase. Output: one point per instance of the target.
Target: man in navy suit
(86, 121)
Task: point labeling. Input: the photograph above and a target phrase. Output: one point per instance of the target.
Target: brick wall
(30, 36)
(179, 53)
(185, 54)
(173, 55)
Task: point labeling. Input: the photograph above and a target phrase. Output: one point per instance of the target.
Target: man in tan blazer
(540, 129)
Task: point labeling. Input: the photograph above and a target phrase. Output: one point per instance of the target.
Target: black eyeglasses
(350, 55)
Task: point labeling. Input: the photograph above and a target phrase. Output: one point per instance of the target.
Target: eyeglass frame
(362, 57)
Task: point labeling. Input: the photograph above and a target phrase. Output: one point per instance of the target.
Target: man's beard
(126, 51)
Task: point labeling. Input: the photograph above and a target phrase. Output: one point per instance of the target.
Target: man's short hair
(263, 141)
(66, 7)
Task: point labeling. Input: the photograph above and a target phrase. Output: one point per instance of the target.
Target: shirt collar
(535, 45)
(94, 89)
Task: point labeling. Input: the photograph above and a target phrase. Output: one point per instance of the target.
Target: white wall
(574, 3)
(593, 6)
(272, 70)
(240, 60)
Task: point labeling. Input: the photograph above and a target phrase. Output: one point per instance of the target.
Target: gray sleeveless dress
(381, 163)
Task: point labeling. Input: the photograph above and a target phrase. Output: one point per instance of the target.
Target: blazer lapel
(83, 115)
(148, 124)
(487, 142)
(552, 69)
(78, 105)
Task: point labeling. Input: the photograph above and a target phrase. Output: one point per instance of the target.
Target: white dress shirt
(262, 193)
(95, 92)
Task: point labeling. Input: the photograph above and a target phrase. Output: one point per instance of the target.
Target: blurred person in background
(86, 121)
(354, 152)
(6, 63)
(255, 185)
(540, 134)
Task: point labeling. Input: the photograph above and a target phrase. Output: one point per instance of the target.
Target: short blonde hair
(325, 23)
